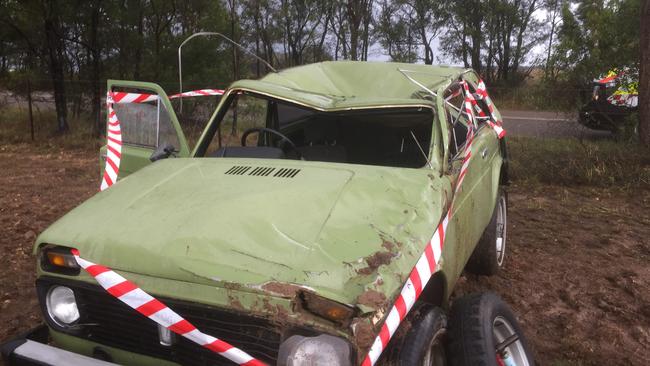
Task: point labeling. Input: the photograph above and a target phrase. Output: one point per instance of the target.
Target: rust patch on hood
(389, 245)
(235, 303)
(375, 260)
(364, 334)
(372, 298)
(282, 289)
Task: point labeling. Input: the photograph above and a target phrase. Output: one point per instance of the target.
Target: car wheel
(490, 252)
(484, 331)
(423, 344)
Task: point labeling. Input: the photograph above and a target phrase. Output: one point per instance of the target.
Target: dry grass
(573, 162)
(14, 128)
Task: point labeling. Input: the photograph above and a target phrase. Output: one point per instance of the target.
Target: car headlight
(314, 351)
(62, 306)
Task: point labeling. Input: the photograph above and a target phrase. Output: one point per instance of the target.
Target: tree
(597, 36)
(644, 75)
(359, 12)
(407, 26)
(55, 46)
(493, 37)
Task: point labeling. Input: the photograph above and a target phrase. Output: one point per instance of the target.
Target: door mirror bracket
(163, 152)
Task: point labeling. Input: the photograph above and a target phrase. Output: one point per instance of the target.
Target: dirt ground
(577, 274)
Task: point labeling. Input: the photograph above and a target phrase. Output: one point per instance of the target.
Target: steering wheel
(273, 132)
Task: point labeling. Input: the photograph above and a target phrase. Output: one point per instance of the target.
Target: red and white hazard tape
(113, 149)
(114, 132)
(430, 259)
(121, 97)
(130, 294)
(198, 93)
(495, 123)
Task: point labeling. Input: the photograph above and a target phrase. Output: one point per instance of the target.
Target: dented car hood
(340, 230)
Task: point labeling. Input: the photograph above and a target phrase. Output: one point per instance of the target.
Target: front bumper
(31, 349)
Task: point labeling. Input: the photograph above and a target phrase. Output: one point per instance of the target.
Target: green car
(292, 229)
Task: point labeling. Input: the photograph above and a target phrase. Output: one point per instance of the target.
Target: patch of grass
(573, 162)
(14, 128)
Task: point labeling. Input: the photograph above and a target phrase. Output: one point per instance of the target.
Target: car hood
(339, 230)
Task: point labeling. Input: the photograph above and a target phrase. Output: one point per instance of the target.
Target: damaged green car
(291, 226)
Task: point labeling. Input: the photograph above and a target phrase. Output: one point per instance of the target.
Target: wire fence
(16, 123)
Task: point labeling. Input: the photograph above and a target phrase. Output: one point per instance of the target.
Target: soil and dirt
(577, 272)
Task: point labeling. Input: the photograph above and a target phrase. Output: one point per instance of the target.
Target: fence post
(31, 114)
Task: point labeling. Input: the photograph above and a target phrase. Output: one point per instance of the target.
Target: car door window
(146, 124)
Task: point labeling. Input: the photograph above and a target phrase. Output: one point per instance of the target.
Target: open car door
(141, 124)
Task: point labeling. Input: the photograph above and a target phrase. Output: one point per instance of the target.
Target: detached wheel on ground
(490, 251)
(484, 331)
(423, 345)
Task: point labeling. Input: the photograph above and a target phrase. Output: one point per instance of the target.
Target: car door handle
(484, 153)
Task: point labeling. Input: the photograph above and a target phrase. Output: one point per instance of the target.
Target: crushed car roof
(340, 85)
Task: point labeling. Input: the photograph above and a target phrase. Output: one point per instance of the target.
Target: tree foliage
(596, 36)
(68, 41)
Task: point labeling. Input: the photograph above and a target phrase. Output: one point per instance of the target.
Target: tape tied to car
(481, 94)
(145, 304)
(429, 261)
(122, 97)
(113, 148)
(114, 132)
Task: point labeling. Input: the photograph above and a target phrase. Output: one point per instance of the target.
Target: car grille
(112, 323)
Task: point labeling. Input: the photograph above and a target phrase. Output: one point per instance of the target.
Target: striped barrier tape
(145, 304)
(429, 260)
(198, 93)
(495, 123)
(122, 97)
(114, 132)
(113, 148)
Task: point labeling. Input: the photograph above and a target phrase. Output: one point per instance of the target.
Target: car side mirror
(162, 152)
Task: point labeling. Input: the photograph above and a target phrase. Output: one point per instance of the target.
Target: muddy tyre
(483, 331)
(490, 252)
(424, 343)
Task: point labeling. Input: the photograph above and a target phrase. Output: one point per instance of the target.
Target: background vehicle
(614, 98)
(289, 231)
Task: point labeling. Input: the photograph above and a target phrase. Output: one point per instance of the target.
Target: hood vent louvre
(261, 171)
(286, 173)
(238, 170)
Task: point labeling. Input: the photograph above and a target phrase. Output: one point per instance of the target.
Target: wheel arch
(435, 292)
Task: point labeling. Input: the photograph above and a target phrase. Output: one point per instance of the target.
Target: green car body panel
(181, 228)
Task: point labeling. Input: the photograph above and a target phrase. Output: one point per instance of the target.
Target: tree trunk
(95, 53)
(644, 75)
(138, 50)
(233, 23)
(31, 113)
(55, 55)
(354, 20)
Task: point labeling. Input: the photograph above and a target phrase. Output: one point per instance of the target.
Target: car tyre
(424, 343)
(483, 331)
(490, 252)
